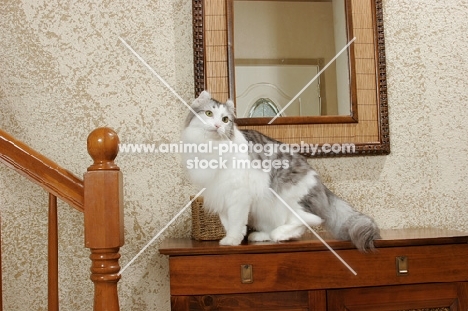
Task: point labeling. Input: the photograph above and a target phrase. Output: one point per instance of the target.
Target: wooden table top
(390, 238)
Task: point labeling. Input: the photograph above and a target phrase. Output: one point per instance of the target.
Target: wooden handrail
(41, 170)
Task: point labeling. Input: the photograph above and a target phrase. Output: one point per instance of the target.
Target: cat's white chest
(214, 162)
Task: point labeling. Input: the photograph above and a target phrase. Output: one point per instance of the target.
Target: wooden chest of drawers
(423, 268)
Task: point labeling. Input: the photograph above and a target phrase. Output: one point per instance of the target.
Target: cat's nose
(218, 125)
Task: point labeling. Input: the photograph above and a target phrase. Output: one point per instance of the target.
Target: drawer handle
(246, 274)
(402, 265)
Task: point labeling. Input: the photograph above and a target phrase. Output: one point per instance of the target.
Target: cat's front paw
(230, 240)
(285, 233)
(259, 237)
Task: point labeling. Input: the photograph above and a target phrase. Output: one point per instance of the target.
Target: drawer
(291, 301)
(249, 273)
(437, 296)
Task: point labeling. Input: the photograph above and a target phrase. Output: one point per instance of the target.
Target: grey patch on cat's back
(281, 178)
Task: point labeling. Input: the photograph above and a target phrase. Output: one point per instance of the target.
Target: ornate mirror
(262, 54)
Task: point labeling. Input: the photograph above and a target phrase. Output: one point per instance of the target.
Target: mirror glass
(279, 47)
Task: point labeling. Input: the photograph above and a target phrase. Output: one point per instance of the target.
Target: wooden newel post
(103, 217)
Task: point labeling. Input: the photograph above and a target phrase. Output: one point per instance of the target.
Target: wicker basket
(205, 226)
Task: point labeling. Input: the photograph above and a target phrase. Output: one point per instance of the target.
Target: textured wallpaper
(64, 72)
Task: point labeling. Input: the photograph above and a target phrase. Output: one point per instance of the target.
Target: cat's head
(215, 118)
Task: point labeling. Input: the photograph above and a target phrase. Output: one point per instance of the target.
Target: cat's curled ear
(230, 107)
(204, 97)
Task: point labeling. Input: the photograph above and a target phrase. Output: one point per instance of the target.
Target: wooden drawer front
(443, 296)
(291, 301)
(221, 274)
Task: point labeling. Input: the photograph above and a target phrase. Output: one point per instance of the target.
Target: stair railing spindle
(53, 295)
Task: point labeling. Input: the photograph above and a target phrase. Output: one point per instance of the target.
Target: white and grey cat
(238, 176)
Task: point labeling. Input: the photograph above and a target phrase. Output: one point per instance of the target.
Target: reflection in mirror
(264, 107)
(280, 46)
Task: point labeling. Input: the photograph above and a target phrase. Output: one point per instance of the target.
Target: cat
(243, 170)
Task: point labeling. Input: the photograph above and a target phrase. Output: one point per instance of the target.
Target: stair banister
(103, 217)
(99, 196)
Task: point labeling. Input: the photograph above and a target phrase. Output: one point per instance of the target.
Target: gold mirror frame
(369, 133)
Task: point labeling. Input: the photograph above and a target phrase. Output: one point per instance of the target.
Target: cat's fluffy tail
(345, 223)
(361, 230)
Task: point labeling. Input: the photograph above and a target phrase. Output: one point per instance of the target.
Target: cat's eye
(209, 113)
(225, 119)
